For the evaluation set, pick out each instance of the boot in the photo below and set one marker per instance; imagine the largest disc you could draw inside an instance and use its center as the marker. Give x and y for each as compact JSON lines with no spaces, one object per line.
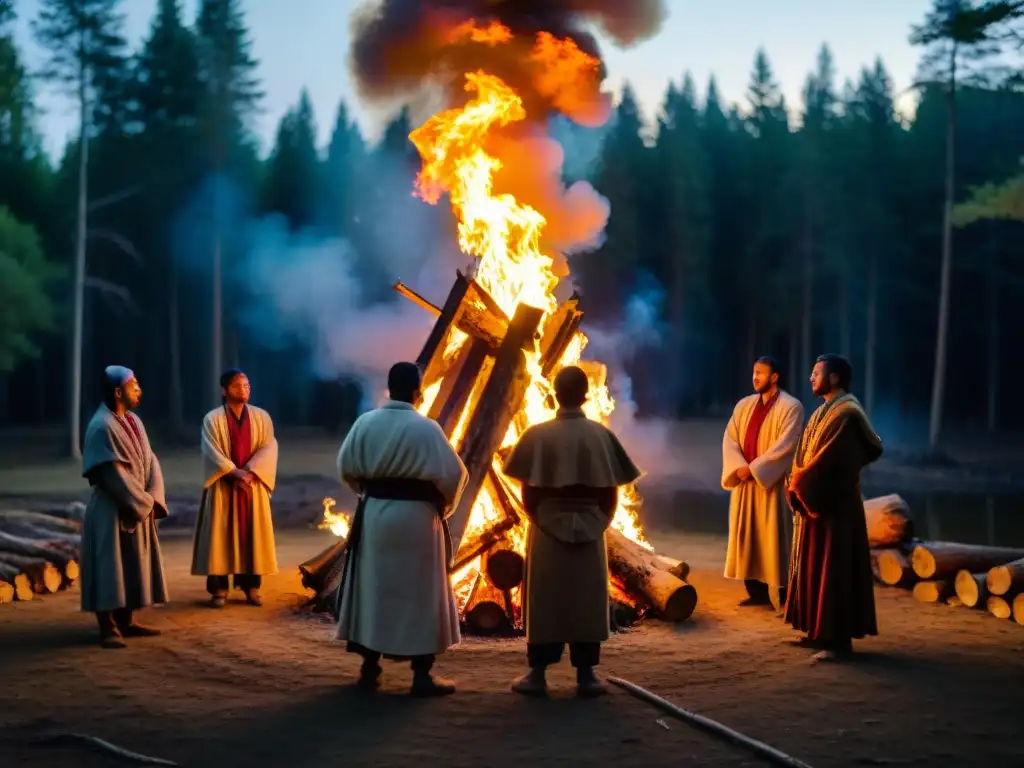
{"x":128,"y":627}
{"x":369,"y":675}
{"x":427,"y":685}
{"x":110,"y":635}
{"x":588,"y":685}
{"x":533,"y":683}
{"x":252,"y":596}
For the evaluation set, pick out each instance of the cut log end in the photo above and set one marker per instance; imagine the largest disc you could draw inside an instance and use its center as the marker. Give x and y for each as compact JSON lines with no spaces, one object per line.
{"x":970,"y":588}
{"x":1018,"y":609}
{"x":998,"y":607}
{"x":505,"y":569}
{"x":6,"y":592}
{"x":1006,"y":578}
{"x":941,"y":559}
{"x":487,"y":618}
{"x":23,"y":587}
{"x":682,"y":603}
{"x":71,"y":572}
{"x":46,"y":579}
{"x":934,"y":591}
{"x":893,"y":568}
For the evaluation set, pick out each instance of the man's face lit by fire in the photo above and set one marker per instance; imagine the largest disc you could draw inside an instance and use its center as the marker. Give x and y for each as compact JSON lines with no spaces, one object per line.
{"x":821,"y":381}
{"x":764,"y":379}
{"x":238,"y":390}
{"x":129,"y":394}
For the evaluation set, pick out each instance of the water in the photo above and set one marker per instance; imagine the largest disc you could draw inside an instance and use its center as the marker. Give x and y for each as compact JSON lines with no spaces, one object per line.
{"x":971,"y":518}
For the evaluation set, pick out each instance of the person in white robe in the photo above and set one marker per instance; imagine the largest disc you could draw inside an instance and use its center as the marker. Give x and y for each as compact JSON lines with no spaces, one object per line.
{"x":757,"y":452}
{"x":396,"y":598}
{"x":234,"y":533}
{"x":122,"y":569}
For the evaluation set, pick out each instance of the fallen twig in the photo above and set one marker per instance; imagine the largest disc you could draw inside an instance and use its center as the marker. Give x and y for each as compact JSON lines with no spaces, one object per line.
{"x":764,"y":750}
{"x":106,"y":746}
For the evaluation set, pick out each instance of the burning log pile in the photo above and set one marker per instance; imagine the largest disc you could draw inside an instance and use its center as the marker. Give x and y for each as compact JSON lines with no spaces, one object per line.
{"x":971,"y":575}
{"x":39,"y":551}
{"x":480,"y":369}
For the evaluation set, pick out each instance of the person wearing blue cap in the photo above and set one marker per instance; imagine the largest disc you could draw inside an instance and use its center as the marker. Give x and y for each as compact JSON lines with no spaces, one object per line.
{"x":122,"y":568}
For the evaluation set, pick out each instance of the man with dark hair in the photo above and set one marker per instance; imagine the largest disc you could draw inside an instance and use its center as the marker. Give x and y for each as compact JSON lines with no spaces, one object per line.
{"x":234,"y":534}
{"x":831,"y":594}
{"x":757,"y":452}
{"x":396,"y":596}
{"x":122,"y":568}
{"x":570,"y":469}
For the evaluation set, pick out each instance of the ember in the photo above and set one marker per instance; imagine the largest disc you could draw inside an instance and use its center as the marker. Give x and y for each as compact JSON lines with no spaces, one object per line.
{"x":499,"y":339}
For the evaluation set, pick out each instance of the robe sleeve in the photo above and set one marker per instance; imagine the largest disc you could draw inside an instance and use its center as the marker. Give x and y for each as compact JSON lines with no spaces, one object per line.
{"x":133,"y":502}
{"x":215,"y":459}
{"x":453,"y":475}
{"x":350,"y":469}
{"x":732,"y":450}
{"x":771,"y":466}
{"x":844,"y":451}
{"x":155,"y":488}
{"x":263,"y":463}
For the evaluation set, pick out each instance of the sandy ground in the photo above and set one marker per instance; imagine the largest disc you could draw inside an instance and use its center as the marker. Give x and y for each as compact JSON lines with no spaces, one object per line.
{"x":268,"y":687}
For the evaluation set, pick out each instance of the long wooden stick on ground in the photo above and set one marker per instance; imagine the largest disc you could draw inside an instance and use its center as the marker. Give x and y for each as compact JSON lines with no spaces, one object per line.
{"x":760,"y":748}
{"x":106,"y":746}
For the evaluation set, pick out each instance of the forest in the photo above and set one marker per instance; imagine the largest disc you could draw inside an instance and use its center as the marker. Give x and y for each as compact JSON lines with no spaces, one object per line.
{"x":163,"y":239}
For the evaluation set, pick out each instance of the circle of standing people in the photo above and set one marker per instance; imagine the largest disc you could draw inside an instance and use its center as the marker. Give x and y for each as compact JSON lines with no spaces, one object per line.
{"x":797,"y":533}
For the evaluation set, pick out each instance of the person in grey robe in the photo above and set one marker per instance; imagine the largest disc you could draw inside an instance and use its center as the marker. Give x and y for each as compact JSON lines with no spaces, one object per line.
{"x":122,"y":568}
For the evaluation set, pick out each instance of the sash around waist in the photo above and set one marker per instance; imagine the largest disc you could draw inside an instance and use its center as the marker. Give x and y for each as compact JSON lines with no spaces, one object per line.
{"x":403,"y":489}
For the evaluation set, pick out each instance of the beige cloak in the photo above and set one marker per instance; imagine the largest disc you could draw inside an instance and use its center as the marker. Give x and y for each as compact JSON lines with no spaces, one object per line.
{"x":121,"y":563}
{"x":217,"y":549}
{"x":760,"y":522}
{"x":400,"y":600}
{"x":566,"y":586}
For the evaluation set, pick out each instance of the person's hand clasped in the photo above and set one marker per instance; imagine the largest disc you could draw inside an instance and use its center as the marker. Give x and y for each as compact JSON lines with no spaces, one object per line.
{"x":743,"y":473}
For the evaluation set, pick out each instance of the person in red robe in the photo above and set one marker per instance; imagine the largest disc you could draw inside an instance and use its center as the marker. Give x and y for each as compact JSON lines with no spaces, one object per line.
{"x":831,"y":592}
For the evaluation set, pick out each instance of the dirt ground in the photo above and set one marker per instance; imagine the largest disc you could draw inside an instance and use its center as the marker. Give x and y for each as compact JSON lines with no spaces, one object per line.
{"x":268,"y":687}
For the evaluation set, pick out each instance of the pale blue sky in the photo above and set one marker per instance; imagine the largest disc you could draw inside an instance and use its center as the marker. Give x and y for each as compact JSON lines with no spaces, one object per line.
{"x":309,"y":47}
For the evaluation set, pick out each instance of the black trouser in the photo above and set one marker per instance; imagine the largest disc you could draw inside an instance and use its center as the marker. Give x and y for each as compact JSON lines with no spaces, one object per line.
{"x":761,"y":592}
{"x":116,"y":620}
{"x":421,"y":665}
{"x":581,"y":655}
{"x":218,"y":585}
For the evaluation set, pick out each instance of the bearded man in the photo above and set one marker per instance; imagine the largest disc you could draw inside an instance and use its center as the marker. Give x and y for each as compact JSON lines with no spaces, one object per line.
{"x":831,"y":592}
{"x":122,"y":569}
{"x":234,"y":534}
{"x":757,"y":452}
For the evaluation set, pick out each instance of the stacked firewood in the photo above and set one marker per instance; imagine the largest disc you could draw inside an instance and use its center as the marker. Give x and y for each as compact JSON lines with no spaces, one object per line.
{"x":39,"y":550}
{"x":971,"y":575}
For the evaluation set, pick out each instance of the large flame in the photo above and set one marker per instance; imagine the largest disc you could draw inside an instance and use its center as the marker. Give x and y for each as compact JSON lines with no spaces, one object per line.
{"x":504,"y":235}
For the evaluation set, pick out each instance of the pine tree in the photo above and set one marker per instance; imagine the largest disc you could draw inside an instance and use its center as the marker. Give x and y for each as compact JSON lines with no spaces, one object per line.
{"x":84,"y":45}
{"x":293,"y":174}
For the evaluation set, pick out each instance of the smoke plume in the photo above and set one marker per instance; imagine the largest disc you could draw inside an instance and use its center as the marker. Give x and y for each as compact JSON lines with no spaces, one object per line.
{"x":401,"y":46}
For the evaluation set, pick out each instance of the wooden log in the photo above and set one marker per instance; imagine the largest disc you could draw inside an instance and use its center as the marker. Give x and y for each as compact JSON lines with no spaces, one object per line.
{"x":56,"y":551}
{"x":480,"y":544}
{"x":6,"y":592}
{"x":21,"y":583}
{"x":637,"y":571}
{"x":939,"y":559}
{"x":25,"y":530}
{"x":487,"y":618}
{"x":971,"y":589}
{"x":999,"y":607}
{"x":505,"y":569}
{"x":892,"y":568}
{"x":1018,"y":609}
{"x":315,"y":570}
{"x":501,"y":398}
{"x":440,"y":331}
{"x":46,"y":577}
{"x":558,"y":333}
{"x":40,"y":520}
{"x":678,"y":568}
{"x":888,"y":520}
{"x":74,"y":511}
{"x":457,"y":386}
{"x":933,"y":591}
{"x":621,"y":615}
{"x":71,"y":572}
{"x":1006,"y":578}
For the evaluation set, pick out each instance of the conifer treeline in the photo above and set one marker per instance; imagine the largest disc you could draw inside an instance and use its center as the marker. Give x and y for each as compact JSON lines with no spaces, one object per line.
{"x":750,"y":229}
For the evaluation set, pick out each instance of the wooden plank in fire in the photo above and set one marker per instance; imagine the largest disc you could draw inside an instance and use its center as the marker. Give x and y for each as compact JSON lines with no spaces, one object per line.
{"x":457,"y":385}
{"x":501,"y":398}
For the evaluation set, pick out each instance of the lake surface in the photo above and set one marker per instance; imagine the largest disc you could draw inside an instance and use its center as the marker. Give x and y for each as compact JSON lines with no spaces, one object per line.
{"x":972,"y":518}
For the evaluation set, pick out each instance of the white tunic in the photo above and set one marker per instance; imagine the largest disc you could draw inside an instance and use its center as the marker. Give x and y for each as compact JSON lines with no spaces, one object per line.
{"x":400,"y":601}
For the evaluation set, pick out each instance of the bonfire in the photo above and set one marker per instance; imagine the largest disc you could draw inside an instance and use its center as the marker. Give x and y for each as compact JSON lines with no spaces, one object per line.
{"x":490,"y":360}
